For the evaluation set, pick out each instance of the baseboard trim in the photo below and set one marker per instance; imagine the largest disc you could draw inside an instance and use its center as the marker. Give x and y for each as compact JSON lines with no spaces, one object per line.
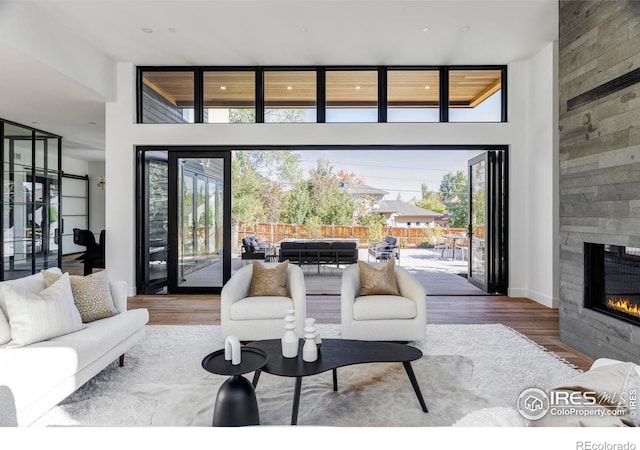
{"x":537,"y":297}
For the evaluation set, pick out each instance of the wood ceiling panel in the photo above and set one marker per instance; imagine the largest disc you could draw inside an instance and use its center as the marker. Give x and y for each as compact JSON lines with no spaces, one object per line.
{"x":469,"y":88}
{"x":293,"y":89}
{"x":344,"y":88}
{"x":354,"y":88}
{"x":413,"y":88}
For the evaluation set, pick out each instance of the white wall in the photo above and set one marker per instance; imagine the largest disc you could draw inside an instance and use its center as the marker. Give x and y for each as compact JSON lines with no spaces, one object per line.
{"x":74,"y":166}
{"x":534,"y":108}
{"x":96,"y":198}
{"x":122,"y":135}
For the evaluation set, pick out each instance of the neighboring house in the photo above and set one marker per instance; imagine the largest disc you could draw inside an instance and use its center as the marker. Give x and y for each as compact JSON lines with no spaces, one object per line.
{"x":402,"y":214}
{"x":367,"y":198}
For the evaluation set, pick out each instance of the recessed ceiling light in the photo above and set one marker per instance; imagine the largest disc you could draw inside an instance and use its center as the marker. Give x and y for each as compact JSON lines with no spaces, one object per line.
{"x":171,"y":30}
{"x":147,"y":30}
{"x":289,"y":88}
{"x":427,"y":87}
{"x":357,"y":88}
{"x":35,"y":123}
{"x":425,"y":29}
{"x":465,"y":29}
{"x":223,"y":88}
{"x":303,"y":29}
{"x":92,"y":123}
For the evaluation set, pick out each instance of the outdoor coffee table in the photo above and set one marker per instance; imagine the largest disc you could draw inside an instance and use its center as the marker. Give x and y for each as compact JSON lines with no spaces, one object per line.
{"x":333,"y":354}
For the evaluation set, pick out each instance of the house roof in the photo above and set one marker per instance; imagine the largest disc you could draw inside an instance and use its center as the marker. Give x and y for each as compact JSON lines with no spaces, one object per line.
{"x":363,"y":189}
{"x":404,"y":209}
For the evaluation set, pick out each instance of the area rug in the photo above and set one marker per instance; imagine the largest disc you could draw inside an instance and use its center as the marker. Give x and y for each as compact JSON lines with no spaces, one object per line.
{"x":465,"y":368}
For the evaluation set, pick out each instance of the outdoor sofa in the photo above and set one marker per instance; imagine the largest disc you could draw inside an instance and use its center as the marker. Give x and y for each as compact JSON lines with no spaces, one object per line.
{"x":319,"y":252}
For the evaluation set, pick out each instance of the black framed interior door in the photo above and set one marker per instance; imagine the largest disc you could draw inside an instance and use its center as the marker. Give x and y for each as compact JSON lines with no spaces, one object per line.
{"x":199,"y":221}
{"x":488,"y":222}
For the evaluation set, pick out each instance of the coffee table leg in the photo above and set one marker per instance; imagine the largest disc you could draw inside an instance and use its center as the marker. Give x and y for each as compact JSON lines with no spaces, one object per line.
{"x":335,"y":379}
{"x":414,"y":383}
{"x":256,"y":377}
{"x":296,"y":401}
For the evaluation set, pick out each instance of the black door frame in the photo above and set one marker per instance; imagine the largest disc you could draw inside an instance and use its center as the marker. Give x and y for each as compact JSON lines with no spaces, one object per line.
{"x":173,"y":153}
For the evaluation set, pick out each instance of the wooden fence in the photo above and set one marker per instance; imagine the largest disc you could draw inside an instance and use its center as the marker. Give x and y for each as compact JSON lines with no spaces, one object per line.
{"x":409,"y":237}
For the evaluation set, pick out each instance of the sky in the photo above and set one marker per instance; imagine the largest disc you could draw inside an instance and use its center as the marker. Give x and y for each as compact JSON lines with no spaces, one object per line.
{"x":399,"y":172}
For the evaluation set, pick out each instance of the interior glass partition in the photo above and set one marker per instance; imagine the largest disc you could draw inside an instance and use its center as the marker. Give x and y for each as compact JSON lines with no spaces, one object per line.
{"x":30,"y":200}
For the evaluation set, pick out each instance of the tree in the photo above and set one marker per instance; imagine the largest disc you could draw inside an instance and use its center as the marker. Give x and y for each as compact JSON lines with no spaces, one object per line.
{"x":320,"y":199}
{"x":454,"y":191}
{"x":430,"y":200}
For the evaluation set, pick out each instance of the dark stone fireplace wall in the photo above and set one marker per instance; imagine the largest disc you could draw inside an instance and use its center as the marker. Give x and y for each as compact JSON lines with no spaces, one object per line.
{"x":599,"y":162}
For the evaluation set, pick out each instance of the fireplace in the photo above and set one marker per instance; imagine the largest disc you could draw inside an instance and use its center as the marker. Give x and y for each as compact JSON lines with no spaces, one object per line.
{"x":612,"y":281}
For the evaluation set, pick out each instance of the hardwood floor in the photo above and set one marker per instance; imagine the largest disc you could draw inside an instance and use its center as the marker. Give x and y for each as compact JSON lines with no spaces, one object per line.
{"x":537,"y":322}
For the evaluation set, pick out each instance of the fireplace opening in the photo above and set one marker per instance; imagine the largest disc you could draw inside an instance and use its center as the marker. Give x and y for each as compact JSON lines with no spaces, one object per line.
{"x":612,"y":280}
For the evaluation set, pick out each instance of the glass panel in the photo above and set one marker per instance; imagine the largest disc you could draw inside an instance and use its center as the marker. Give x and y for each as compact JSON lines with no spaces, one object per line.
{"x":52,"y":153}
{"x":212,"y":198}
{"x":167,"y":97}
{"x":413,"y":96}
{"x":290,"y":96}
{"x":352,"y":96}
{"x":475,"y":96}
{"x":200,"y":262}
{"x":201,"y":215}
{"x":229,"y":97}
{"x":158,"y":221}
{"x":478,"y":221}
{"x":40,"y":153}
{"x":187,"y":223}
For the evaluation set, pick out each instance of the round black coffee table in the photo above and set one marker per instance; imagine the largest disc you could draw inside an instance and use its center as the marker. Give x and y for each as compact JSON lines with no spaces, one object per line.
{"x":236,"y":403}
{"x":335,"y":353}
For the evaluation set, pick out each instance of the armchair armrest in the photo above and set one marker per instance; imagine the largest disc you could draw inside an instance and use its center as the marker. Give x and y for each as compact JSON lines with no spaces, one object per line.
{"x":411,"y":288}
{"x":235,"y":289}
{"x":298,"y":293}
{"x":350,"y":289}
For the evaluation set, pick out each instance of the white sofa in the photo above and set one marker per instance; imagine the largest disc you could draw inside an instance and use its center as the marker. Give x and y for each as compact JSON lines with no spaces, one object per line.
{"x":36,"y":377}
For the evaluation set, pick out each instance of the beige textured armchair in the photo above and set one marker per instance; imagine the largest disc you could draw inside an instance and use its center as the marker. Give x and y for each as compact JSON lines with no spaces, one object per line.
{"x":383,"y":317}
{"x":255,"y":318}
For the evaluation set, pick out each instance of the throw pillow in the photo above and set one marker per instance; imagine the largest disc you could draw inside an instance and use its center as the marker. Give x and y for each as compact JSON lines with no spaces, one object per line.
{"x":378,"y":281}
{"x":5,"y":330}
{"x":91,"y":294}
{"x":269,"y":281}
{"x":38,"y":317}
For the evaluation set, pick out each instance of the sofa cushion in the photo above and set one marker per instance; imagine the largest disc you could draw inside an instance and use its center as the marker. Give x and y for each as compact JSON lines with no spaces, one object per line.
{"x":258,"y":308}
{"x":31,"y":283}
{"x":381,"y":307}
{"x":37,"y":317}
{"x":91,"y":294}
{"x":379,"y":279}
{"x":268,"y":281}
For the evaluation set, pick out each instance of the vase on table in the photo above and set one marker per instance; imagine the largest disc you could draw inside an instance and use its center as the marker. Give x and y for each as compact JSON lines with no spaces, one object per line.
{"x":309,"y":349}
{"x":290,"y":340}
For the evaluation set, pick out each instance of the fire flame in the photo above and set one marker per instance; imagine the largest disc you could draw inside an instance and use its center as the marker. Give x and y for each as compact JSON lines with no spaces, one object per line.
{"x":624,"y":305}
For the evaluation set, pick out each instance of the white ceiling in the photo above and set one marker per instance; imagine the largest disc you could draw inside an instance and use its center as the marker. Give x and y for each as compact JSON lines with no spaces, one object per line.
{"x":263,"y":32}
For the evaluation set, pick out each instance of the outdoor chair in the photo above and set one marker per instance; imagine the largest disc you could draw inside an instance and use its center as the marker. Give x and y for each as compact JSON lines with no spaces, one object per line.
{"x":386,"y":250}
{"x":252,"y":250}
{"x":255,"y":318}
{"x":383,"y":317}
